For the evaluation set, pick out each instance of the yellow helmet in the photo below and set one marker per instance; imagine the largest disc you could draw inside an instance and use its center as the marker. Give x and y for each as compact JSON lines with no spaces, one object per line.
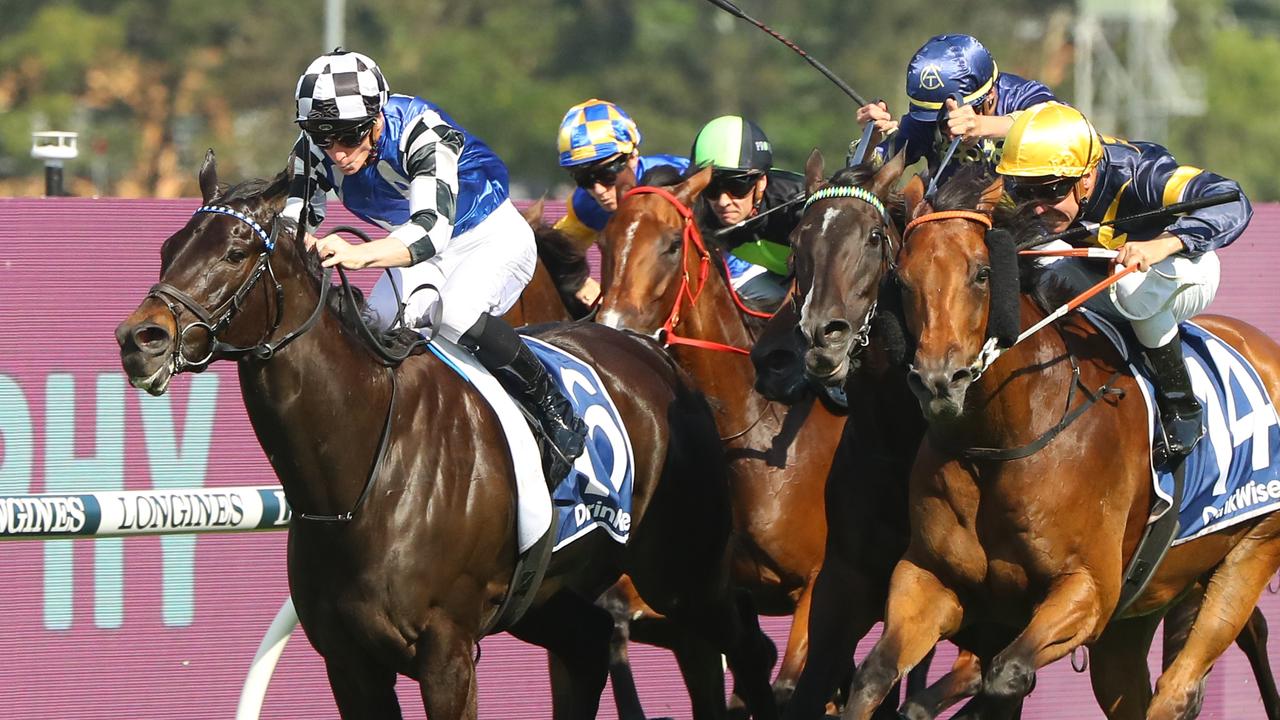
{"x":1050,"y":139}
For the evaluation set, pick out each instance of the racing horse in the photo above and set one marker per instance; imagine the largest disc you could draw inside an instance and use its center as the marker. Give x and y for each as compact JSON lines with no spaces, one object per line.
{"x":839,"y":254}
{"x":549,"y":296}
{"x":402,"y":568}
{"x":1035,"y":543}
{"x":660,"y":278}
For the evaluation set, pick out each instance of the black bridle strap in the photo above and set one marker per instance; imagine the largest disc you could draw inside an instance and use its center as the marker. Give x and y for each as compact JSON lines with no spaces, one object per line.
{"x":1069,"y":416}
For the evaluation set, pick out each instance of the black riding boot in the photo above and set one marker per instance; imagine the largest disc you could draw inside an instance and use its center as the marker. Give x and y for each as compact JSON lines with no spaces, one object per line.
{"x":497,"y":346}
{"x":1180,"y":412}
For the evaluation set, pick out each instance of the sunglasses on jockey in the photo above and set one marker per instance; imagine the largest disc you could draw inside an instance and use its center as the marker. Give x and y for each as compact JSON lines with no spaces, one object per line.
{"x":1044,"y":190}
{"x":603,"y":173}
{"x":324,"y":138}
{"x":736,"y":185}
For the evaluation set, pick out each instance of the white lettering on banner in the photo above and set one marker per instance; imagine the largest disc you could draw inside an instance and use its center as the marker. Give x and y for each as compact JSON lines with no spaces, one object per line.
{"x":1256,"y":424}
{"x":1215,"y":421}
{"x":174,"y":459}
{"x":1244,"y":497}
{"x":38,"y":515}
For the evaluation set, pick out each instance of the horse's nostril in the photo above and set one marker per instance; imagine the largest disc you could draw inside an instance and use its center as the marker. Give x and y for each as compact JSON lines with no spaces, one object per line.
{"x":835,"y":329}
{"x":960,"y":375}
{"x":151,"y":337}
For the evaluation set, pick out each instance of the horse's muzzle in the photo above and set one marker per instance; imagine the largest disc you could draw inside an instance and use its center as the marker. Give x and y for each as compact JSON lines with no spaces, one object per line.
{"x":940,"y":390}
{"x":146,"y":354}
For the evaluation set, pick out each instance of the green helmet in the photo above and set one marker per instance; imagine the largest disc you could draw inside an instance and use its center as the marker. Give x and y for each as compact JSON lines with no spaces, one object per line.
{"x":732,"y":143}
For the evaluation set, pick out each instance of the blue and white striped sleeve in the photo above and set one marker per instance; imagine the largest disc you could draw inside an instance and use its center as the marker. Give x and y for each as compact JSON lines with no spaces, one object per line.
{"x":298,"y":184}
{"x":431,"y":148}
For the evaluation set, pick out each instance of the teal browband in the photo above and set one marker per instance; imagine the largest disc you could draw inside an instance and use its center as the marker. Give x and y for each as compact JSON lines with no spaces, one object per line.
{"x":848,"y":191}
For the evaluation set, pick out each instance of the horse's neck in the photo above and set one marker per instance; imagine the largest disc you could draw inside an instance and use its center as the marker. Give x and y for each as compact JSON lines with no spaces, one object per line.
{"x":727,"y":377}
{"x":316,"y":404}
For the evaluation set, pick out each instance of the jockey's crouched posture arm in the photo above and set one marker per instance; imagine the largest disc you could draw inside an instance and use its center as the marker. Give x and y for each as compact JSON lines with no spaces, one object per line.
{"x":1057,"y":163}
{"x":461,"y":252}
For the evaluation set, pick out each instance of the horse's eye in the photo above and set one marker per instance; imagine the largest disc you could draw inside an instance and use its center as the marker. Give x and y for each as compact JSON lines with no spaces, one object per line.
{"x":876,"y":237}
{"x":677,"y":242}
{"x":983,"y":275}
{"x":236,"y":255}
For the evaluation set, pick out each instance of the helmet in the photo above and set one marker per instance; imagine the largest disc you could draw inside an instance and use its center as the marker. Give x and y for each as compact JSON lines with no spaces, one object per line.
{"x":948,"y":64}
{"x":732,"y":143}
{"x":1050,"y":139}
{"x":595,"y":130}
{"x":340,"y":90}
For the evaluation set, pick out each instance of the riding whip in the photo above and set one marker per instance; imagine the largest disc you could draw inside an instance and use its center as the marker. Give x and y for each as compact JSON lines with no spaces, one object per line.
{"x":729,"y":7}
{"x":1089,"y":228}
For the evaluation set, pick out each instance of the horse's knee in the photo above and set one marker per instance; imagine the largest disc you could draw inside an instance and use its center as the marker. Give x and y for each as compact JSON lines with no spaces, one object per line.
{"x":1009,"y":678}
{"x":1177,"y":703}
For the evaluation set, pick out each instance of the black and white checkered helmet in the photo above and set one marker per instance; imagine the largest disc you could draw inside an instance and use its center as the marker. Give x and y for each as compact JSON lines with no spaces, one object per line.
{"x":340,"y":89}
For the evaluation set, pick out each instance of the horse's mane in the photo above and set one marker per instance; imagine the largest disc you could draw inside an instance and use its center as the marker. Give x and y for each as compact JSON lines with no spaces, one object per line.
{"x":566,"y":263}
{"x":262,"y":196}
{"x":860,"y":176}
{"x":963,"y":189}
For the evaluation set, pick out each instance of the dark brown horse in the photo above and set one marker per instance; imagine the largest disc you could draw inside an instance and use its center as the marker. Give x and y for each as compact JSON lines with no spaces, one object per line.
{"x":409,"y":583}
{"x":1035,"y":547}
{"x":549,"y":296}
{"x":654,"y":268}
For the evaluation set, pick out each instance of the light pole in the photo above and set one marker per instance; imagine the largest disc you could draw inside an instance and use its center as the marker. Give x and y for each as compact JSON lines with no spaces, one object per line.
{"x":53,"y":148}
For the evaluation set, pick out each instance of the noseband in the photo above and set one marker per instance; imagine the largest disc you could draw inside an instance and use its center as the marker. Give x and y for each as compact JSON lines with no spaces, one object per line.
{"x":216,"y":320}
{"x":887,"y":252}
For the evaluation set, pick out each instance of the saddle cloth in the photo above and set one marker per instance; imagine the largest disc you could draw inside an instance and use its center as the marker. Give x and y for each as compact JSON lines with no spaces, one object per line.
{"x":1233,"y":474}
{"x":597,"y":491}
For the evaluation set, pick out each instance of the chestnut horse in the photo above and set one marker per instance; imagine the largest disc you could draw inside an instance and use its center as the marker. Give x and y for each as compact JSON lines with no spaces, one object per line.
{"x":1035,"y":547}
{"x":656,"y":268}
{"x":839,"y":263}
{"x":408,"y":565}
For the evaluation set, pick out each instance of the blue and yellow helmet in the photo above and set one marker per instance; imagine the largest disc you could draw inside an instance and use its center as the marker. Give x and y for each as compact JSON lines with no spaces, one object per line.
{"x":595,"y":130}
{"x":948,"y":64}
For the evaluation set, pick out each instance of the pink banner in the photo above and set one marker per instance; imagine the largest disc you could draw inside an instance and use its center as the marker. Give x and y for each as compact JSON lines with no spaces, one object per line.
{"x":165,"y":627}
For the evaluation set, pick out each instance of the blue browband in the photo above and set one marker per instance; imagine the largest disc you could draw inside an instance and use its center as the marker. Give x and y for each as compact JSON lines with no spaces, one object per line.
{"x":257,"y":229}
{"x":848,"y":191}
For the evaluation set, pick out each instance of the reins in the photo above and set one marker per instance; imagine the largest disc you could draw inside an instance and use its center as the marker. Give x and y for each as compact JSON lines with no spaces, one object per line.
{"x":692,"y":242}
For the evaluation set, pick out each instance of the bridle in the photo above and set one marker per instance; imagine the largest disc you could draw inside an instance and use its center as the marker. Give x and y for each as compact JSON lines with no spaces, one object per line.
{"x":888,"y":251}
{"x":216,"y":320}
{"x":693,"y":242}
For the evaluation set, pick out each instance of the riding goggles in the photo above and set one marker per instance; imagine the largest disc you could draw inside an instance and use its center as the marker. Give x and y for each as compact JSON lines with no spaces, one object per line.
{"x":603,"y":173}
{"x":1047,"y":191}
{"x":349,"y":137}
{"x":738,"y":185}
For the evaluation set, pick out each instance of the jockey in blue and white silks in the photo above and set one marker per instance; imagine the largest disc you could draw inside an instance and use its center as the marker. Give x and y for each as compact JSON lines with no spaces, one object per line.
{"x":458,"y":251}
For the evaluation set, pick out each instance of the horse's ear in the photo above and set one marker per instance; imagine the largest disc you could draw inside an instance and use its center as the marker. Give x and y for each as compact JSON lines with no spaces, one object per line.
{"x":533,"y":213}
{"x":626,"y":180}
{"x":813,"y":177}
{"x":887,"y":176}
{"x":991,"y":196}
{"x":208,"y":177}
{"x":689,"y":190}
{"x":913,"y":195}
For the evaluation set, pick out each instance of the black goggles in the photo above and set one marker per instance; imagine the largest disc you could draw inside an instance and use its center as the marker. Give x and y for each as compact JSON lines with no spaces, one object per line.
{"x":737,"y":185}
{"x":350,"y":137}
{"x":604,"y":173}
{"x":1048,"y":192}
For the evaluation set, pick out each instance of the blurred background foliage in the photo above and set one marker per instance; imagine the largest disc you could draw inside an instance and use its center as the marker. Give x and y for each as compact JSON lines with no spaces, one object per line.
{"x":149,"y":84}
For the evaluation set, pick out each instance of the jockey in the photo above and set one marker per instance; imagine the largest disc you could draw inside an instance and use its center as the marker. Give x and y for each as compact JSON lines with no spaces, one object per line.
{"x":1055,"y":161}
{"x":597,"y":142}
{"x":745,"y":185}
{"x":457,"y":247}
{"x":947,"y":65}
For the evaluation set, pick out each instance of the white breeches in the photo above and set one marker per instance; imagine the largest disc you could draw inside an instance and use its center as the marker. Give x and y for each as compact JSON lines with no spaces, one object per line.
{"x":1155,"y":301}
{"x":482,"y":270}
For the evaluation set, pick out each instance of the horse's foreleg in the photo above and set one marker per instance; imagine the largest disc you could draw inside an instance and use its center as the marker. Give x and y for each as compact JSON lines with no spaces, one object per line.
{"x":920,"y":611}
{"x":842,"y":610}
{"x":963,"y":681}
{"x":1229,"y":600}
{"x":794,"y":658}
{"x":446,"y":672}
{"x":363,"y":689}
{"x":1118,"y":667}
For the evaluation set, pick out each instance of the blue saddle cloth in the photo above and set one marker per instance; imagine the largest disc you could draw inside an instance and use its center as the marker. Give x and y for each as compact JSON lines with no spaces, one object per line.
{"x":1233,"y":474}
{"x":597,"y":491}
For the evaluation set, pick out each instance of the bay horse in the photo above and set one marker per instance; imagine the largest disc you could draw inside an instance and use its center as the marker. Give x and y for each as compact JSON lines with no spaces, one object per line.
{"x":561,"y":269}
{"x":1036,"y":545}
{"x":416,"y":573}
{"x":842,"y":279}
{"x":655,"y":268}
